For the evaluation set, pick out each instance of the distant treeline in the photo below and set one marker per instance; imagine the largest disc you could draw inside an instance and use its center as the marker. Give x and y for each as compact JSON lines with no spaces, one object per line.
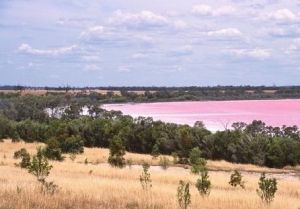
{"x":25,"y":118}
{"x":161,"y":94}
{"x":153,"y":88}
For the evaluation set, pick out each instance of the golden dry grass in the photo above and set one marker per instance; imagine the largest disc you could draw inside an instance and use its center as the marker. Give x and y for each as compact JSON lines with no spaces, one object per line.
{"x":100,"y":186}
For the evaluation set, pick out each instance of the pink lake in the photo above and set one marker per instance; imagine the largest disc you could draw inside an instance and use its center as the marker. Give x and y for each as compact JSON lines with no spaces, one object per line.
{"x":217,"y":115}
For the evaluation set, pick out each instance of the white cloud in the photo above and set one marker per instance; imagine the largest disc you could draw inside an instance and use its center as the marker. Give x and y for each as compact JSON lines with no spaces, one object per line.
{"x":31,"y":65}
{"x":175,"y":69}
{"x":93,"y":31}
{"x":282,"y":15}
{"x":115,"y":37}
{"x":207,"y":10}
{"x":139,"y":56}
{"x":182,"y":51}
{"x":92,"y":68}
{"x":180,"y":25}
{"x":225,"y":32}
{"x":143,"y":19}
{"x":286,"y":32}
{"x":124,"y":69}
{"x":294,"y":47}
{"x":91,"y":58}
{"x":257,"y":53}
{"x":27,"y":49}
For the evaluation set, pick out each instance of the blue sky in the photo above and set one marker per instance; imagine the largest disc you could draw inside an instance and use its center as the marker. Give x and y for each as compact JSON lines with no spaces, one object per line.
{"x":145,"y":43}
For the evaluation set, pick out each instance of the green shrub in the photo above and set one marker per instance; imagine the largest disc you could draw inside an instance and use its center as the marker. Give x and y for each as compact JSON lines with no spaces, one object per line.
{"x":7,"y":129}
{"x":40,"y":168}
{"x":236,"y":179}
{"x":53,"y":150}
{"x":183,"y":194}
{"x":24,"y":156}
{"x":164,"y":162}
{"x":267,"y":188}
{"x":145,"y":177}
{"x":116,"y":152}
{"x":203,"y":183}
{"x":196,"y":161}
{"x":72,"y":144}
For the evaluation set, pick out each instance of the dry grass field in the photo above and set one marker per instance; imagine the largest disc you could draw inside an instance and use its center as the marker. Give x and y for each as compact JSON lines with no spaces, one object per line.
{"x":97,"y":185}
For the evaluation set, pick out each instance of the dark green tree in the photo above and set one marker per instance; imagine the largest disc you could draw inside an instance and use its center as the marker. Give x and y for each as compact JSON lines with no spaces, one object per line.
{"x":196,"y":161}
{"x":116,"y":152}
{"x":203,"y":184}
{"x":24,"y":156}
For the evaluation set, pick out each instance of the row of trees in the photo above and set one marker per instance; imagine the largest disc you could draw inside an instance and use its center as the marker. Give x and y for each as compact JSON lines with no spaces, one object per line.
{"x":252,"y":144}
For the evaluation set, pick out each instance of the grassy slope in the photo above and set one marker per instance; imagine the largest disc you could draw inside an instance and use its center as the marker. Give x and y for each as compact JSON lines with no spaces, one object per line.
{"x":112,"y":188}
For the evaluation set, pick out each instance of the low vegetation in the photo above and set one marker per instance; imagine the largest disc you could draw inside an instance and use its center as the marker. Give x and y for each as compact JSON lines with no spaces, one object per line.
{"x":183,"y":194}
{"x":110,"y":187}
{"x":236,"y":179}
{"x":267,"y":188}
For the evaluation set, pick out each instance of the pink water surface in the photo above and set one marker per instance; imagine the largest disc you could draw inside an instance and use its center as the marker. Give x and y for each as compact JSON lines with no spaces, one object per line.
{"x":217,"y":115}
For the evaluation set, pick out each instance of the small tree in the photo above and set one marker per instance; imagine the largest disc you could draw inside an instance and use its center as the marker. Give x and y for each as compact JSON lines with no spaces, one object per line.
{"x":145,"y":177}
{"x":183,"y":194}
{"x":40,"y":168}
{"x":116,"y":153}
{"x":39,"y":165}
{"x":203,"y":183}
{"x":25,"y":158}
{"x":267,"y":188}
{"x":236,"y":179}
{"x":196,"y":161}
{"x":164,"y":162}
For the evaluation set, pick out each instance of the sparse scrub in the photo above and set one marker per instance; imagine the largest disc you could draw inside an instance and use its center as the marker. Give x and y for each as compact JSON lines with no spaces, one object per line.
{"x":111,"y":188}
{"x":267,"y":188}
{"x":40,"y":168}
{"x":24,"y":156}
{"x":236,"y":179}
{"x":164,"y":162}
{"x":203,"y":184}
{"x":145,"y":177}
{"x":183,"y":194}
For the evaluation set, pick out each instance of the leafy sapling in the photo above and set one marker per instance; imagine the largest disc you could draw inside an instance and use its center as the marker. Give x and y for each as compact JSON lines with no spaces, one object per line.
{"x":203,"y":184}
{"x":236,"y":179}
{"x":183,"y":194}
{"x":267,"y":188}
{"x":145,"y":177}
